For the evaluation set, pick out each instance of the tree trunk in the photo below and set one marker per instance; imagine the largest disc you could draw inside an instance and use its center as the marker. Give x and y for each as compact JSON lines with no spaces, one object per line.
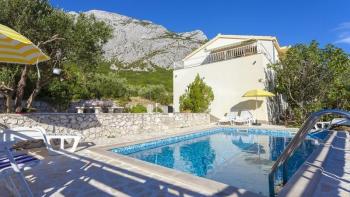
{"x":9,"y":102}
{"x":39,"y":84}
{"x":8,"y":94}
{"x":33,"y":95}
{"x":20,"y":89}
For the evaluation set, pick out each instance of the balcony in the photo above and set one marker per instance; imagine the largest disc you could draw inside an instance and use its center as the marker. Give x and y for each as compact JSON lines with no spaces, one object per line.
{"x":225,"y":53}
{"x":217,"y":56}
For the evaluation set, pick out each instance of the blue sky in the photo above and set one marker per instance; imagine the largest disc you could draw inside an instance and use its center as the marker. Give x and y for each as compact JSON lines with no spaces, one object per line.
{"x":295,"y":21}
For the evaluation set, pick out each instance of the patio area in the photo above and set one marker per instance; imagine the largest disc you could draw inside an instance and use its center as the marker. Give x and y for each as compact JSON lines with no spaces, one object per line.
{"x":89,"y":173}
{"x":93,"y":171}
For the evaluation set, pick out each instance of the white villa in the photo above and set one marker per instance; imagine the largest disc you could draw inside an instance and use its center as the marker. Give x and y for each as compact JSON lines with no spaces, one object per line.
{"x":231,"y":65}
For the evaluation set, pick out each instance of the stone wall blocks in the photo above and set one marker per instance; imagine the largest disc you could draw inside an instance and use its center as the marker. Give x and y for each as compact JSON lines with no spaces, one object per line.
{"x":93,"y":126}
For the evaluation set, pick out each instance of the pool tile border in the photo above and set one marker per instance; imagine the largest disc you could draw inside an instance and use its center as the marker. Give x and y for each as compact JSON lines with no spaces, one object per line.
{"x":129,"y":149}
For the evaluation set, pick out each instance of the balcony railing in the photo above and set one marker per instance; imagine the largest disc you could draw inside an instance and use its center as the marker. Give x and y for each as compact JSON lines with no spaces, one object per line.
{"x":226,"y":54}
{"x":232,"y":53}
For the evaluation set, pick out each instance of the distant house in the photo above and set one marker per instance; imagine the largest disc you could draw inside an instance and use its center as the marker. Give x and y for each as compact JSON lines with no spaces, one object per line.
{"x":231,"y":65}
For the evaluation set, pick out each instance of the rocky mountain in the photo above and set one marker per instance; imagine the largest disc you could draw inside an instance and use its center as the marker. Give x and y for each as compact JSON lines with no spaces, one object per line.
{"x":143,"y":42}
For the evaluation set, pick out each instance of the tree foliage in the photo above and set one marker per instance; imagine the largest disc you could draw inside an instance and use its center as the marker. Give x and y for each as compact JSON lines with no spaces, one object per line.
{"x":155,"y":93}
{"x":197,"y":97}
{"x":66,"y":38}
{"x":138,"y":109}
{"x":313,"y":78}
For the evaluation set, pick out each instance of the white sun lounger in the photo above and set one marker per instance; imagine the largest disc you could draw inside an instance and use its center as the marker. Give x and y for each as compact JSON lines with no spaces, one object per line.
{"x":9,"y":137}
{"x":340,"y":121}
{"x":322,"y":125}
{"x":14,"y":168}
{"x":229,"y":118}
{"x":16,"y":134}
{"x":6,"y":171}
{"x":244,"y":118}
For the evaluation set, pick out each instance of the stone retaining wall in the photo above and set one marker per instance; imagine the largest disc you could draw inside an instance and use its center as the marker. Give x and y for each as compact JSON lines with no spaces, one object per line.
{"x":92,"y":126}
{"x":40,"y":106}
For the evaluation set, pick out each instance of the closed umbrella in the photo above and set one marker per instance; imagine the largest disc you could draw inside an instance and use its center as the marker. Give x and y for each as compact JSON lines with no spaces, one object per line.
{"x":17,"y":49}
{"x":258,"y":93}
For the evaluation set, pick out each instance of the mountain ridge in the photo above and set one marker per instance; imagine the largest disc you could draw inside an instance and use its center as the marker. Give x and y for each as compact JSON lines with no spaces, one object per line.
{"x":143,"y":42}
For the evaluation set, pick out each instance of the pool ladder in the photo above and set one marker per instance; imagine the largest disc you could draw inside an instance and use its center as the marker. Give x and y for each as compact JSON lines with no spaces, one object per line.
{"x":295,"y":143}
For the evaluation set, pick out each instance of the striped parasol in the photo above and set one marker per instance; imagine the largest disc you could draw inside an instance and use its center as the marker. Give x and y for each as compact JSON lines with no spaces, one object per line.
{"x":15,"y":48}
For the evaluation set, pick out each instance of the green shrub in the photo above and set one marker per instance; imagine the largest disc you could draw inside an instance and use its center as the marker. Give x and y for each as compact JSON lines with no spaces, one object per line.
{"x":158,"y":109}
{"x":155,"y":93}
{"x":197,"y":97}
{"x":138,"y":109}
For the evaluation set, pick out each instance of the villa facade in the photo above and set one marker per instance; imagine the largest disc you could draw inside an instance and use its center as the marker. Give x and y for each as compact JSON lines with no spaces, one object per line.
{"x":231,"y":65}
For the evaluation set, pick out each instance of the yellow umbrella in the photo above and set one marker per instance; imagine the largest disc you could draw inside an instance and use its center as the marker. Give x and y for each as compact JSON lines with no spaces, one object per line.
{"x":15,"y":48}
{"x":258,"y":93}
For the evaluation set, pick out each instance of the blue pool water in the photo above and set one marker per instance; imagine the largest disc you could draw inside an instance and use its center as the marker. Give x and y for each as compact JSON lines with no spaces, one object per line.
{"x":227,"y":155}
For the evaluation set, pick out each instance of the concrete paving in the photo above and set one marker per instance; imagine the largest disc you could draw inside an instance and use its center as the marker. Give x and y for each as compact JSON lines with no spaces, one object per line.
{"x":326,"y":173}
{"x":89,"y":173}
{"x":93,"y":171}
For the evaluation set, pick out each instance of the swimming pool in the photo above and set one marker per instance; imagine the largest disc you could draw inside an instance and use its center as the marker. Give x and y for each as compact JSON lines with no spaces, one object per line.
{"x":239,"y":158}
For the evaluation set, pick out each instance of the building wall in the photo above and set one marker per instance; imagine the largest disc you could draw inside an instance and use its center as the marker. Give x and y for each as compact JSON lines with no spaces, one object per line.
{"x":270,"y":49}
{"x":94,"y":126}
{"x":229,"y":80}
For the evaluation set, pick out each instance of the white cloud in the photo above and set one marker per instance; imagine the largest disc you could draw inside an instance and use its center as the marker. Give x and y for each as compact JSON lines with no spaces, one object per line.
{"x":345,"y":40}
{"x":343,"y":26}
{"x":343,"y":33}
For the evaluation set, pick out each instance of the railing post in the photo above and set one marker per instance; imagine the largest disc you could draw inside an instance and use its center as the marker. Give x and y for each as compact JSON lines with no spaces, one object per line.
{"x":272,"y":185}
{"x":285,"y":172}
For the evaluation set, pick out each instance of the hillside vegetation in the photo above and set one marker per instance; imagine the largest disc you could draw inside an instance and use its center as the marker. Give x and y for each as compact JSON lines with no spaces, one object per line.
{"x":144,"y":78}
{"x":75,"y":44}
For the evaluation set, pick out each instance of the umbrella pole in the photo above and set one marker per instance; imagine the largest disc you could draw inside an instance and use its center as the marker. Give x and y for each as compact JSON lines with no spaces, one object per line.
{"x":37,"y":68}
{"x":256,"y":109}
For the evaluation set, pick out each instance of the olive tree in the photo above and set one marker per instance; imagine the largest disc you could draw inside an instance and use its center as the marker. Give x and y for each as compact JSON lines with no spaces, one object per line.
{"x":312,"y":78}
{"x":64,"y":37}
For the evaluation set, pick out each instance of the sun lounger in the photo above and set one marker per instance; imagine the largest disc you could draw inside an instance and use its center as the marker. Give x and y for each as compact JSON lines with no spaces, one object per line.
{"x":14,"y":135}
{"x":9,"y":165}
{"x":229,"y":118}
{"x":15,"y":163}
{"x":63,"y":137}
{"x":322,"y":125}
{"x":23,"y":161}
{"x":340,"y":122}
{"x":245,"y":117}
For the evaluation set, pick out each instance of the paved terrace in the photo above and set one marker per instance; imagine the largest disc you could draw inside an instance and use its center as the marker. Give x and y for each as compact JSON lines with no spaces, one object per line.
{"x":87,"y":173}
{"x":326,"y":173}
{"x":90,"y":173}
